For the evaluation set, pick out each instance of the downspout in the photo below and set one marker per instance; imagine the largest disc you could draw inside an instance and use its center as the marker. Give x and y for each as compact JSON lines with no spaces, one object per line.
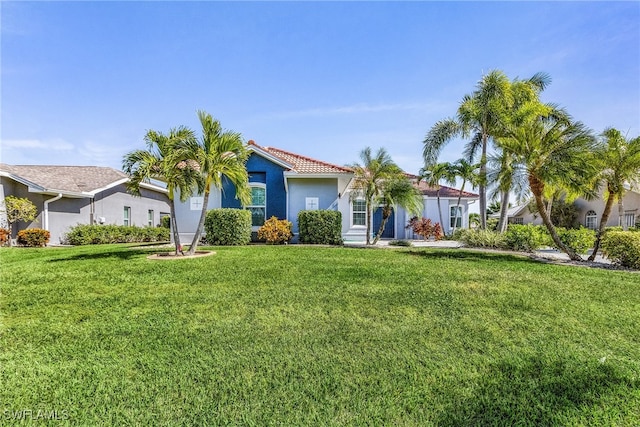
{"x":46,"y":210}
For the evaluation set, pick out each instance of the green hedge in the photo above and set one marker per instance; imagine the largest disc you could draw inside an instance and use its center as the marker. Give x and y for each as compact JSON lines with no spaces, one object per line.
{"x":228,"y":227}
{"x":525,"y":238}
{"x":83,"y":234}
{"x":622,"y":247}
{"x":580,"y":240}
{"x":320,"y":227}
{"x":481,"y":238}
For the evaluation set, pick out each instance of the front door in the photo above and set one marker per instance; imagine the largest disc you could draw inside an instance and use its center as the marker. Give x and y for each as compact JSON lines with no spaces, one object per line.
{"x":389,"y":229}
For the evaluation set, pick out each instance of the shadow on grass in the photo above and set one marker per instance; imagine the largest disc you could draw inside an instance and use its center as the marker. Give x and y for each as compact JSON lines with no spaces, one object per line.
{"x":537,"y":392}
{"x":116,"y":253}
{"x":474,"y":256}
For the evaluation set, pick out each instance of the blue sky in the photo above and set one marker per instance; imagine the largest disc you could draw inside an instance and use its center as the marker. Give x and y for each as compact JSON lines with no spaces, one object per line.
{"x":82,"y":82}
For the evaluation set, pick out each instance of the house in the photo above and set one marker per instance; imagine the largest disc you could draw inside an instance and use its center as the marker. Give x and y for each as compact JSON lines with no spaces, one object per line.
{"x":284,"y":183}
{"x":589,"y":212}
{"x":69,"y":195}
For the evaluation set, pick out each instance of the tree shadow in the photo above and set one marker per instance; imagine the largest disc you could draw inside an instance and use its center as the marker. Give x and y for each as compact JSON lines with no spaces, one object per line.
{"x":473,"y":256}
{"x":116,"y":253}
{"x":536,"y":392}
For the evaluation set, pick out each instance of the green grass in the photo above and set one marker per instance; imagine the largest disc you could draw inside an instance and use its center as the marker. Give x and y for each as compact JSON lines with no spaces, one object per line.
{"x":300,"y":335}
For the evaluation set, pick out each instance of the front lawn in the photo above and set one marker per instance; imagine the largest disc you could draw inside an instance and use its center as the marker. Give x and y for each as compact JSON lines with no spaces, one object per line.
{"x":300,"y":335}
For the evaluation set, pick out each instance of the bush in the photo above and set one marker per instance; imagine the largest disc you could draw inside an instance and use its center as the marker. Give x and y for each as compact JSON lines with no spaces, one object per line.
{"x":4,"y":236}
{"x":622,"y":248}
{"x":580,"y":240}
{"x":34,"y":237}
{"x":275,"y":231}
{"x":165,"y":221}
{"x":525,"y":238}
{"x":228,"y":227}
{"x":425,"y":228}
{"x":83,"y":234}
{"x":400,"y":243}
{"x":322,"y":227}
{"x":482,"y":239}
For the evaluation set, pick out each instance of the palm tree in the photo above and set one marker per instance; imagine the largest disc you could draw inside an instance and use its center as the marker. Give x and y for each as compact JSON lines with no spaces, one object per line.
{"x":621,"y":166}
{"x":370,"y":177}
{"x":166,"y":159}
{"x":220,"y":154}
{"x":556,"y":152}
{"x":398,"y":190}
{"x":481,"y":116}
{"x":436,"y":173}
{"x":468,"y":173}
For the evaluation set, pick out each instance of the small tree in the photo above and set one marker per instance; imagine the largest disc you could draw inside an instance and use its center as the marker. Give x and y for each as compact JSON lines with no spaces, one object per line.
{"x":18,"y":209}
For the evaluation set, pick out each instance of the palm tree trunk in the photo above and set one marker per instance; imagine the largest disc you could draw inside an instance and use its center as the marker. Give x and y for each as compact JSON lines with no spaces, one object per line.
{"x":537,"y":188}
{"x":622,"y":222}
{"x":203,"y":215}
{"x":386,"y":214}
{"x":174,"y":227}
{"x":482,"y":186}
{"x":455,"y":220}
{"x":439,"y":208}
{"x":368,"y":241}
{"x":504,"y":207}
{"x":603,"y":223}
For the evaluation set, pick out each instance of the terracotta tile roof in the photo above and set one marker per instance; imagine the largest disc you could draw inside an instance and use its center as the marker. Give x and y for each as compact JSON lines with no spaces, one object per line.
{"x":71,"y":179}
{"x":445,"y":191}
{"x":303,"y":164}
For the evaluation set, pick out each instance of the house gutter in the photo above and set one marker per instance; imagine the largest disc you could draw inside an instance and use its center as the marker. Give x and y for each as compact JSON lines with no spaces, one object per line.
{"x":46,"y":210}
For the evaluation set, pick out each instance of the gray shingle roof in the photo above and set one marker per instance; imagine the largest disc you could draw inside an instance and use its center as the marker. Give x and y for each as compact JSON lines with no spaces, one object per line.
{"x":71,"y":179}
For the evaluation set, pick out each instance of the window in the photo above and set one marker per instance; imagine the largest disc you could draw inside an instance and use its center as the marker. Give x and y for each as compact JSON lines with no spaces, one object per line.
{"x":195,"y":203}
{"x":630,"y":219}
{"x":150,"y":218}
{"x":591,"y":220}
{"x":312,"y":203}
{"x":359,"y":212}
{"x":258,"y":206}
{"x":457,"y":219}
{"x":517,"y":220}
{"x":127,"y":216}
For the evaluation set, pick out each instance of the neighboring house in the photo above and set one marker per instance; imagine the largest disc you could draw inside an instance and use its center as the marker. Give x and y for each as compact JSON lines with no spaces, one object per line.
{"x":283,"y":184}
{"x":589,"y":212}
{"x":69,"y":195}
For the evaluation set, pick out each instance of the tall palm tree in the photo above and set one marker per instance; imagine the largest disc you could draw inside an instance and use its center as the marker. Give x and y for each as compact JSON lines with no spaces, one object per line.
{"x":220,"y":154}
{"x":621,"y":166}
{"x":370,"y":177}
{"x":481,"y":116}
{"x":433,"y":175}
{"x":468,"y":173}
{"x":166,"y":159}
{"x":555,"y":151}
{"x":398,"y":190}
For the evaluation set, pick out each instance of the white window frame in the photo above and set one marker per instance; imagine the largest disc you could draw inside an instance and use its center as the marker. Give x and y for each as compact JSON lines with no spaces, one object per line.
{"x":264,"y":187}
{"x":591,"y":220}
{"x":126,"y":216}
{"x":363,"y":212}
{"x":452,"y":216}
{"x":151,"y":216}
{"x":630,"y":219}
{"x":311,"y":203}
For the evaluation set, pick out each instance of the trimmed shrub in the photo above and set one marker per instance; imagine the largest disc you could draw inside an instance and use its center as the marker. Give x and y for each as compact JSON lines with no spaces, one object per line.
{"x":580,"y":240}
{"x":228,"y":227}
{"x":525,"y":238}
{"x":322,"y":227}
{"x":165,"y":221}
{"x":276,"y":231}
{"x":622,"y":248}
{"x":400,"y":243}
{"x":4,"y":236}
{"x":482,"y":239}
{"x":34,"y":237}
{"x":83,"y":234}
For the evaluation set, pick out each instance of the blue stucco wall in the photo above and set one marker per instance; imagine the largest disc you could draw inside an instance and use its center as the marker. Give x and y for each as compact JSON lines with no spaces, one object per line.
{"x":265,"y":172}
